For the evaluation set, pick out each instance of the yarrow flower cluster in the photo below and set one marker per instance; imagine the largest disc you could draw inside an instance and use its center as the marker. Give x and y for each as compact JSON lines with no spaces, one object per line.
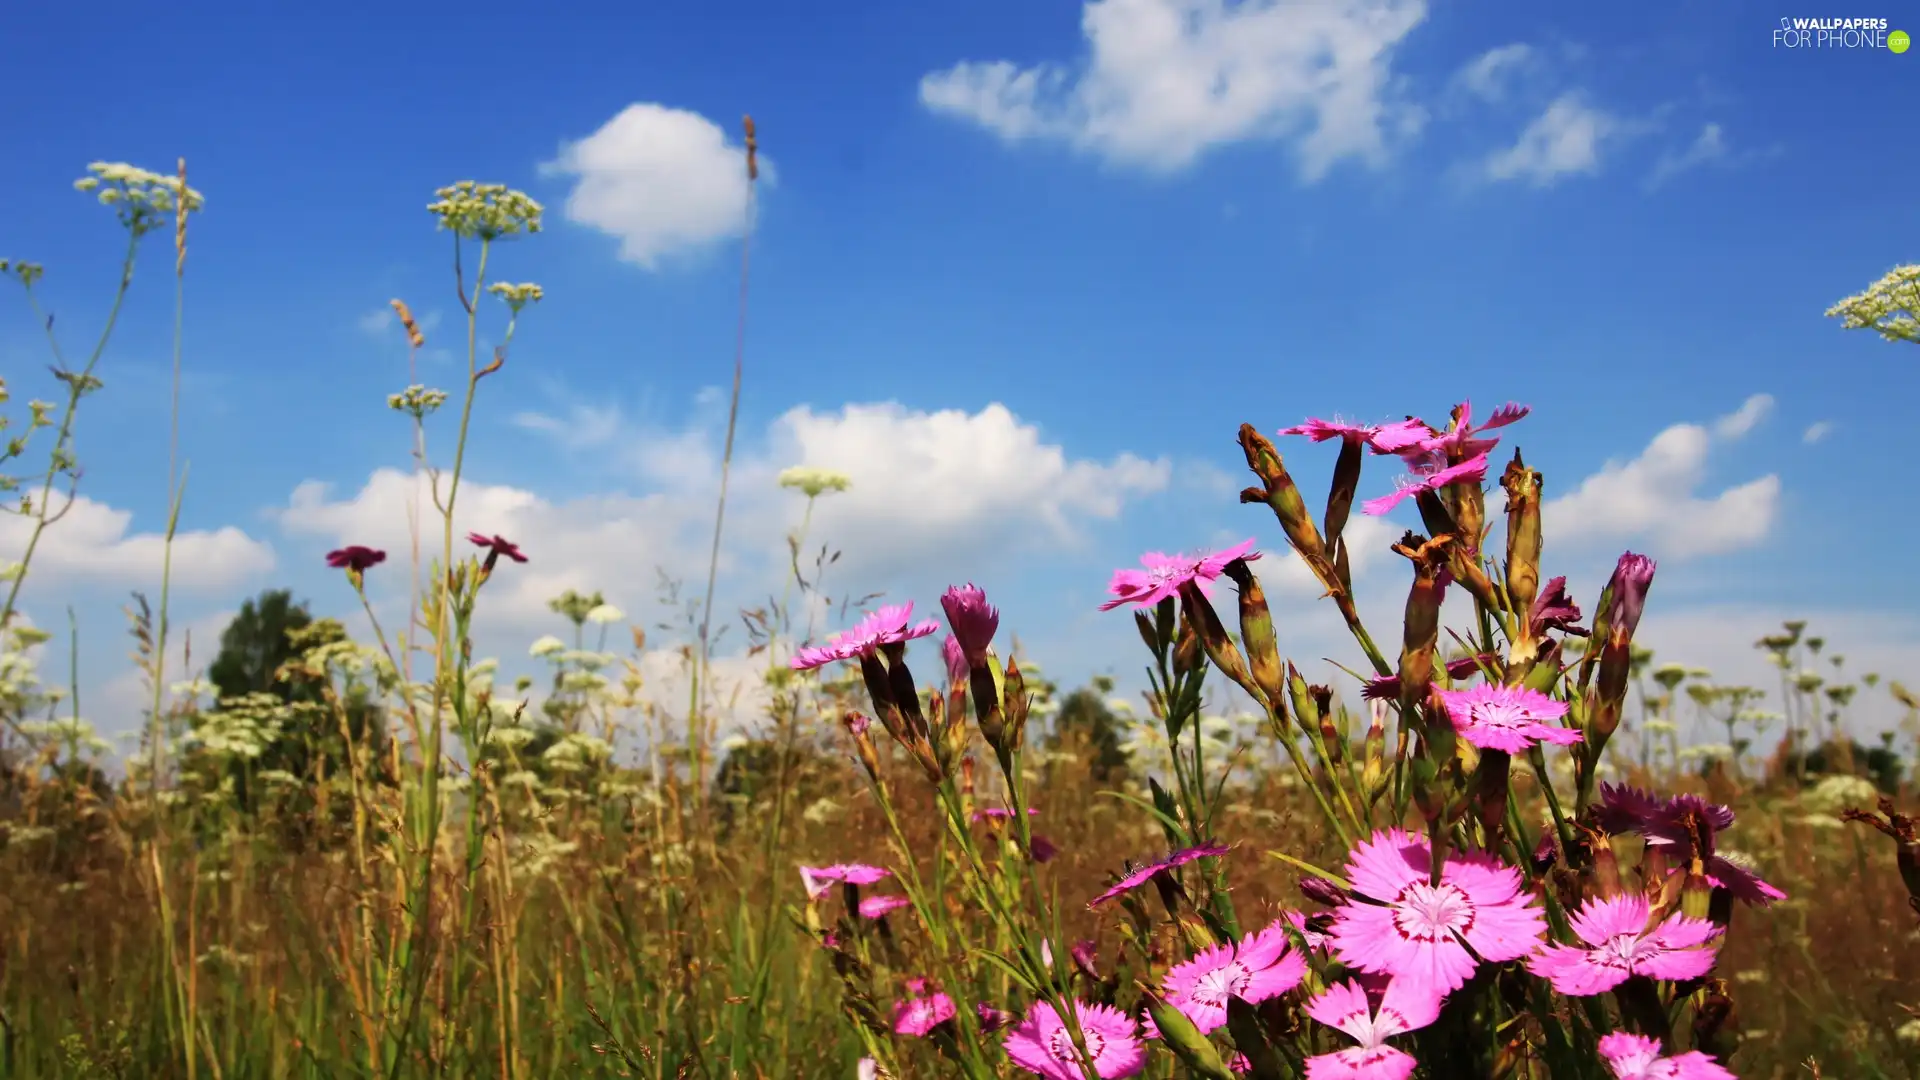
{"x":144,"y":200}
{"x":477,"y":211}
{"x":417,"y":401}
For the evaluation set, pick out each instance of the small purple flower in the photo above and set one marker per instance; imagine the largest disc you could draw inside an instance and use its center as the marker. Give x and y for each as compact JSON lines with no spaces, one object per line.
{"x":356,"y":559}
{"x":1508,"y":718}
{"x":1632,"y":576}
{"x":1472,"y":471}
{"x":918,"y":1016}
{"x":818,"y":879}
{"x":887,"y":626}
{"x":1553,"y":609}
{"x":972,"y":619}
{"x":1675,"y":824}
{"x":876,"y":907}
{"x":1257,"y":967}
{"x":956,"y":658}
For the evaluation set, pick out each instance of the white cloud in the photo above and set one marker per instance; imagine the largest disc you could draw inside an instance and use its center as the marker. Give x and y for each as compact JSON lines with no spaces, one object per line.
{"x":1736,"y":424}
{"x":1708,"y":148}
{"x":1816,"y":431}
{"x":1655,"y":497}
{"x":1368,"y":540}
{"x":1487,"y":76}
{"x":1563,"y":141}
{"x":91,"y":543}
{"x":1167,"y":80}
{"x":664,"y":181}
{"x":945,"y":489}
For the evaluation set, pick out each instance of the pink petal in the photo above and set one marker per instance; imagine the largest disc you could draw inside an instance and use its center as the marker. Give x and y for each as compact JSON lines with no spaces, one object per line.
{"x":1344,"y":1006}
{"x":1506,"y":931}
{"x":1574,"y":972}
{"x":1600,"y":921}
{"x":1677,"y":965}
{"x":1362,"y":1063}
{"x":1387,"y":862}
{"x":1682,"y":932}
{"x":1406,"y":1006}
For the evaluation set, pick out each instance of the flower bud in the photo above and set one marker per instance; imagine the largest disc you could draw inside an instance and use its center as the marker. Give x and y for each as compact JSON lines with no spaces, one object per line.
{"x":1321,"y":891}
{"x":1199,"y":614}
{"x":1187,"y":649}
{"x":1256,"y":631}
{"x":1193,"y":1049}
{"x":1523,"y":533}
{"x":1017,"y":705}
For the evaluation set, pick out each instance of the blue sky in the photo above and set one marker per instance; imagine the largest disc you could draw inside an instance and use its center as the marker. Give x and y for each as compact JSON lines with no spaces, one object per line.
{"x":1025,"y":306}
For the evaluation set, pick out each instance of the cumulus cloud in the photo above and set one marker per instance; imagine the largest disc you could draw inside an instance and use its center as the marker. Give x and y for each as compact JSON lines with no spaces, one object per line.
{"x":1656,"y":496}
{"x":661,"y":180}
{"x":946,"y":488}
{"x":1736,"y":424}
{"x":1816,"y":431}
{"x":1565,"y":140}
{"x":92,"y":542}
{"x":1489,"y":75}
{"x":1164,"y":81}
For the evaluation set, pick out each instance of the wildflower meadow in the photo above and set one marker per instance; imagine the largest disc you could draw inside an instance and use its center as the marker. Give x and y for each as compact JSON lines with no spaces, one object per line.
{"x":1496,"y":836}
{"x":387,"y":865}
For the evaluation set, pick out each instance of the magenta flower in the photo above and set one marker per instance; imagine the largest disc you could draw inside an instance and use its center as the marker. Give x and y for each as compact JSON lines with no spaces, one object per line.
{"x":1371,"y":1011}
{"x":1472,"y":470}
{"x":1043,"y":849}
{"x":1163,"y":575}
{"x":496,"y":546}
{"x":1620,"y":943}
{"x":857,"y":722}
{"x":1553,"y":609}
{"x":1321,"y":430}
{"x":1632,"y":577}
{"x":991,"y":1019}
{"x":1673,"y":824}
{"x":956,"y":658}
{"x":1636,"y":1057}
{"x":1421,"y":932}
{"x":1415,"y":439}
{"x":875,"y":907}
{"x":355,"y":558}
{"x":1509,"y":718}
{"x":974,"y":621}
{"x":1139,"y":876}
{"x":1387,"y":687}
{"x":1041,"y":1045}
{"x":917,"y":1016}
{"x":886,"y":626}
{"x":818,"y":879}
{"x":1257,"y":967}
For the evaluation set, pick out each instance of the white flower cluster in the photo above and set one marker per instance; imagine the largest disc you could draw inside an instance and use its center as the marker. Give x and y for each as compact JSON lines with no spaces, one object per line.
{"x":144,"y":200}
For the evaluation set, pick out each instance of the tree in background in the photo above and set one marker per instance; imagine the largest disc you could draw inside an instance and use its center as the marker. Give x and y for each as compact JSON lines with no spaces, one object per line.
{"x":1085,"y":719}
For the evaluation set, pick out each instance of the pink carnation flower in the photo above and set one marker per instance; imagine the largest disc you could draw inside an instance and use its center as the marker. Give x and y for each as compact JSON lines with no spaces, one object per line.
{"x":874,"y":907}
{"x":1041,"y":1045}
{"x":1509,"y":718}
{"x":1636,"y":1057}
{"x":1163,"y":575}
{"x":818,"y":879}
{"x":1372,"y":1013}
{"x":919,"y":1015}
{"x":886,"y":626}
{"x":1402,"y":925}
{"x":1620,"y":944}
{"x":1321,"y":430}
{"x":1140,"y":875}
{"x":1472,"y":470}
{"x":1415,"y":439}
{"x":1257,"y":967}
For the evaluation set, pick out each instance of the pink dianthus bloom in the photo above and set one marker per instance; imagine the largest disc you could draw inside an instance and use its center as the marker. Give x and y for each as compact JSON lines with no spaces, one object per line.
{"x":818,"y":879}
{"x":886,"y":626}
{"x":874,"y":907}
{"x":1372,"y":1011}
{"x":1672,"y":824}
{"x":1472,"y":470}
{"x":1041,"y":1045}
{"x":1636,"y":1057}
{"x":1253,"y":969}
{"x":1416,"y":439}
{"x":1321,"y":430}
{"x":1509,"y":718}
{"x":919,"y":1015}
{"x":956,"y":658}
{"x":1163,"y":575}
{"x":1140,"y":875}
{"x":1620,"y":944}
{"x":1402,"y":925}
